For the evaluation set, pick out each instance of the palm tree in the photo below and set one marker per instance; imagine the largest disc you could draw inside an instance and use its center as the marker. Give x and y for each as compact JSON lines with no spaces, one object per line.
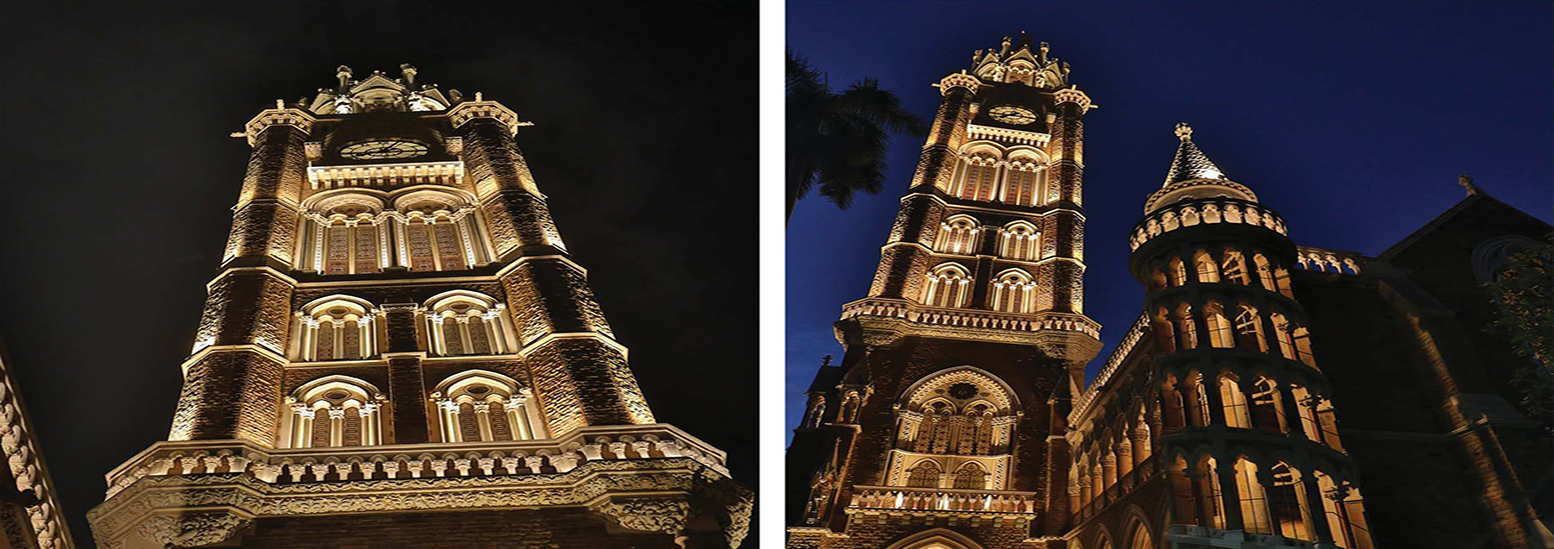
{"x":838,"y":140}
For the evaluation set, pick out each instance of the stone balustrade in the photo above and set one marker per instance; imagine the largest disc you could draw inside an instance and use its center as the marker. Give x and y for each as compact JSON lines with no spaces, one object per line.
{"x":1205,"y":211}
{"x":405,"y":461}
{"x":898,"y":498}
{"x":970,"y":318}
{"x":387,"y":175}
{"x":1330,"y":261}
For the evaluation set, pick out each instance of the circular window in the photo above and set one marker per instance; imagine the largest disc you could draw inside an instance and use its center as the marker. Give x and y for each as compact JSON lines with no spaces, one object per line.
{"x":336,"y":395}
{"x":478,"y":389}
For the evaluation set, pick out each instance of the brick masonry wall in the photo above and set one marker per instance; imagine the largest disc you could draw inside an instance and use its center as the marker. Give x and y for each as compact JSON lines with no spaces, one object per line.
{"x":519,"y":529}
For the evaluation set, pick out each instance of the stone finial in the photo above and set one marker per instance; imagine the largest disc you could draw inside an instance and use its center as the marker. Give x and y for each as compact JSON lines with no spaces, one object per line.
{"x":1467,"y":184}
{"x":1005,"y":44}
{"x":1045,"y":47}
{"x":1183,"y":131}
{"x":343,"y":73}
{"x":976,"y":56}
{"x":408,"y":72}
{"x":825,"y":361}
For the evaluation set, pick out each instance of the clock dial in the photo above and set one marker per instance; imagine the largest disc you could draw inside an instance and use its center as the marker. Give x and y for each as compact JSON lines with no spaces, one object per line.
{"x":1008,"y":114}
{"x":383,"y":149}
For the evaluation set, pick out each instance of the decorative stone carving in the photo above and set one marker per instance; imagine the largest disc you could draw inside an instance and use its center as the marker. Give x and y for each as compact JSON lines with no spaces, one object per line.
{"x":192,"y":529}
{"x":647,"y":514}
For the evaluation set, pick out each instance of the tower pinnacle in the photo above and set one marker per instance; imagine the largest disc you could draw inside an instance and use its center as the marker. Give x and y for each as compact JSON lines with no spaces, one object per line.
{"x":1183,"y":131}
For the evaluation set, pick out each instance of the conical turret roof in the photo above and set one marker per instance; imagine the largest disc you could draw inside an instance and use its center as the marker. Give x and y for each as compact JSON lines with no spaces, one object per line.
{"x":1190,"y":162}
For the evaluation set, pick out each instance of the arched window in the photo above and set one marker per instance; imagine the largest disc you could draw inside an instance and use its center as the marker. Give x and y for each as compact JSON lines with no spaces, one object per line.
{"x":1198,"y":398}
{"x":1234,"y":401}
{"x":1219,"y":326}
{"x":850,"y":406}
{"x":1023,"y":181}
{"x":1264,"y":273}
{"x":479,"y":405}
{"x":1187,"y":501}
{"x":1209,"y":494}
{"x":957,"y":235}
{"x":1345,"y":512}
{"x":1164,"y":333}
{"x":468,"y":323}
{"x":1186,"y":328}
{"x":1018,"y":240}
{"x":1281,"y":278}
{"x":337,"y":327}
{"x":1233,"y":267}
{"x":1254,"y":501}
{"x":331,"y":412}
{"x":1287,"y":498}
{"x":817,"y":413}
{"x":1283,"y":332}
{"x":1157,"y":279}
{"x":971,"y":476}
{"x":1140,"y":537}
{"x":1306,"y":410}
{"x":1174,"y":409}
{"x":1178,"y":271}
{"x":924,"y":475}
{"x":1206,"y":269}
{"x":344,"y":234}
{"x":979,"y":177}
{"x":1249,"y":328}
{"x":438,"y":231}
{"x":1013,"y":292}
{"x":1302,"y":341}
{"x":961,"y":411}
{"x":1267,"y":406}
{"x":948,"y":285}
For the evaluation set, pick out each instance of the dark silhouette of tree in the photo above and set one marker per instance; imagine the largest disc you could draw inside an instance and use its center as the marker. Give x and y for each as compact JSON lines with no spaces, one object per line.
{"x":837,"y":141}
{"x":1522,"y":292}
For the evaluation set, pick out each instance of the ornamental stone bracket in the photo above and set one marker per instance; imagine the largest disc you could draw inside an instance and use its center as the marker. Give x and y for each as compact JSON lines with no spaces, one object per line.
{"x":665,"y":515}
{"x":958,"y":80}
{"x":188,"y":529}
{"x":278,"y":116}
{"x":480,"y":108}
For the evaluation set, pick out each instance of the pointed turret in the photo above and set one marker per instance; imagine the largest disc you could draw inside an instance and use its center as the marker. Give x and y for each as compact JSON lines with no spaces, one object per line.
{"x":1193,"y":175}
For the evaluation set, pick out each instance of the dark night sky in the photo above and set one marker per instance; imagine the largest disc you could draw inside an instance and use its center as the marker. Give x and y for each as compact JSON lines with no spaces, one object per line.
{"x":1352,"y":119}
{"x":119,"y":180}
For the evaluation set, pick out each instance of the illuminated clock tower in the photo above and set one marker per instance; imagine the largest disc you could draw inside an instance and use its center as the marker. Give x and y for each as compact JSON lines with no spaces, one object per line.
{"x":943,"y":424}
{"x":397,"y":350}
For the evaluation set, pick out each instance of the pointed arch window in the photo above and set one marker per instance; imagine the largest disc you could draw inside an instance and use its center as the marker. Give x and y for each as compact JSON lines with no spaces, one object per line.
{"x":1019,"y":240}
{"x":1249,"y":328}
{"x":948,"y":285}
{"x":1178,"y":271}
{"x":1234,"y":401}
{"x":1219,"y":326}
{"x":1233,"y":267}
{"x":1199,"y":395}
{"x":439,"y":231}
{"x":479,"y":405}
{"x":1283,"y":332}
{"x":468,"y":323}
{"x":1186,"y":327}
{"x":1287,"y":498}
{"x":1209,"y":494}
{"x":335,"y":328}
{"x":1267,"y":406}
{"x":1207,"y":271}
{"x":979,"y":177}
{"x":332,"y":412}
{"x":924,"y":475}
{"x":344,"y":234}
{"x":1254,"y":500}
{"x":1164,"y":333}
{"x":971,"y":476}
{"x":958,"y":235}
{"x":1345,"y":512}
{"x":1013,"y":292}
{"x":1264,"y":272}
{"x":1022,"y":183}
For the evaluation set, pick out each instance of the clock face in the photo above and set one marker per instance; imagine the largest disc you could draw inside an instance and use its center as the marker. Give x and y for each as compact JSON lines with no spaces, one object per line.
{"x":1017,"y":116}
{"x":384,"y":149}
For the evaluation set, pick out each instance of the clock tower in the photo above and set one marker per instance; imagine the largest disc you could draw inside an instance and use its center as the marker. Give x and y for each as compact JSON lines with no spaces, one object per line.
{"x":397,"y":349}
{"x":943,"y":425}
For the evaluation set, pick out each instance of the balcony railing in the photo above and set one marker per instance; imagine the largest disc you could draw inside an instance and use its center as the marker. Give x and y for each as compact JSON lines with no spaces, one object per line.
{"x":970,"y":318}
{"x":404,"y":461}
{"x":1142,"y":473}
{"x":1208,"y":211}
{"x":897,"y":498}
{"x":1330,"y":261}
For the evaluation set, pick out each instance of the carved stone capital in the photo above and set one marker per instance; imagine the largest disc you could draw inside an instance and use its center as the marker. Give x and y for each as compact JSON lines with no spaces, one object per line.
{"x":665,"y":515}
{"x":193,"y":529}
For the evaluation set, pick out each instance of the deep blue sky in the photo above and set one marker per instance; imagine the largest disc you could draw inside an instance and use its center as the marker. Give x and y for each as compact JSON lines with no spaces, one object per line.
{"x":1352,"y":119}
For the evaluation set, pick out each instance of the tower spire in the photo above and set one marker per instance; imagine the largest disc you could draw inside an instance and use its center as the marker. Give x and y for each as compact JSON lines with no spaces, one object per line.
{"x":1190,"y":162}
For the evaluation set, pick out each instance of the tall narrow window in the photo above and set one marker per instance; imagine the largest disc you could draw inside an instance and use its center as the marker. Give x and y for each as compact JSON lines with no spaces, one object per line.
{"x":971,"y":477}
{"x":1174,"y":408}
{"x":468,"y":323}
{"x":1164,"y":333}
{"x":979,"y":176}
{"x":1186,"y":328}
{"x":1306,"y":409}
{"x":1233,"y":267}
{"x":340,"y":235}
{"x":1021,"y":185}
{"x":957,"y":235}
{"x":479,"y":405}
{"x":1210,"y":495}
{"x":947,"y":286}
{"x":1264,"y":273}
{"x":1254,"y":501}
{"x":1013,"y":292}
{"x":1207,"y":271}
{"x":1200,"y":399}
{"x":1249,"y":329}
{"x":1302,"y":341}
{"x":1287,"y":500}
{"x":1178,"y":271}
{"x":438,"y":231}
{"x":1219,"y":326}
{"x":1267,"y":406}
{"x":1282,"y":331}
{"x":331,"y":412}
{"x":1234,"y":402}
